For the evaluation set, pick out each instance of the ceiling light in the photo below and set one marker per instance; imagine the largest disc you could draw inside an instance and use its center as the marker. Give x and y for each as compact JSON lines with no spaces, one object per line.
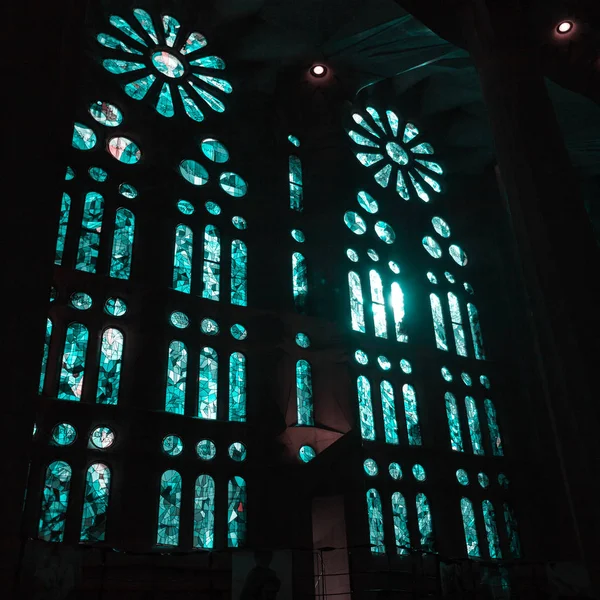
{"x":318,"y":70}
{"x":564,"y":27}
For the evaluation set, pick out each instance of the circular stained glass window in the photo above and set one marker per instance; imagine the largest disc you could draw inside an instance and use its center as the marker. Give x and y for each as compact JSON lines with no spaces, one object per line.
{"x":367,"y":202}
{"x":238,"y":331}
{"x":450,"y":277}
{"x":370,"y":467}
{"x":302,"y":340}
{"x":396,"y":153}
{"x":64,"y":434}
{"x":361,"y":358}
{"x":106,"y":114}
{"x":466,"y":379}
{"x":102,"y":437}
{"x":485,"y":382}
{"x":206,"y":450}
{"x":212,"y":207}
{"x":70,"y":174}
{"x":419,"y":473}
{"x":209,"y":327}
{"x":385,"y":232}
{"x":458,"y":255}
{"x":483,"y":480}
{"x":384,"y":363}
{"x":298,"y":236}
{"x":462,"y":477}
{"x":432,"y":247}
{"x":503,"y":480}
{"x":469,"y":288}
{"x":124,"y":150}
{"x":81,"y":301}
{"x":395,"y":471}
{"x":306,"y":454}
{"x":214,"y":150}
{"x":406,"y":366}
{"x":233,"y":184}
{"x":83,"y":137}
{"x":446,"y":374}
{"x":127,"y":190}
{"x":239,"y":223}
{"x":115,"y":307}
{"x":432,"y":278}
{"x":441,"y":227}
{"x":351,"y":254}
{"x":168,"y":64}
{"x":355,"y":222}
{"x":372,"y":254}
{"x":179,"y":320}
{"x":394,"y":267}
{"x":172,"y":445}
{"x":237,"y":451}
{"x":193,"y":172}
{"x":98,"y":174}
{"x":185,"y":207}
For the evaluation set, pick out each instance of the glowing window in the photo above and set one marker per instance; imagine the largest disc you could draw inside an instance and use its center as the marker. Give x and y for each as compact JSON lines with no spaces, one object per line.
{"x":438,"y":322}
{"x":304,"y":393}
{"x":370,"y":467}
{"x":375,"y":516}
{"x":73,"y":363}
{"x":204,"y":512}
{"x":212,"y":269}
{"x":106,"y":114}
{"x":412,"y":416}
{"x":432,"y":247}
{"x":474,"y":429}
{"x":302,"y":340}
{"x":55,"y":500}
{"x":365,"y":408}
{"x":238,"y":331}
{"x":109,"y":371}
{"x":457,"y":327}
{"x":83,"y":137}
{"x":237,"y":512}
{"x":102,"y":438}
{"x":453,"y":423}
{"x":179,"y":320}
{"x":468,"y":516}
{"x":182,"y":262}
{"x":80,"y":301}
{"x":237,"y":452}
{"x":214,"y":150}
{"x":398,"y":310}
{"x":237,"y":387}
{"x":209,"y":327}
{"x":356,"y":302}
{"x":208,"y":384}
{"x":395,"y":471}
{"x":476,"y":332}
{"x":95,"y":503}
{"x":419,"y":473}
{"x":122,"y":250}
{"x":64,"y":434}
{"x":239,"y":273}
{"x":206,"y":450}
{"x":233,"y":184}
{"x":193,"y":172}
{"x":425,"y":522}
{"x":169,"y":509}
{"x":176,"y":378}
{"x":389,"y":413}
{"x":91,"y":226}
{"x":462,"y":477}
{"x":172,"y":445}
{"x":400,"y":517}
{"x":367,"y":202}
{"x":379,"y":319}
{"x":299,"y":281}
{"x":489,"y":518}
{"x":124,"y":150}
{"x":306,"y":453}
{"x":361,"y":358}
{"x":63,"y":222}
{"x":355,"y":222}
{"x":295,"y":176}
{"x":493,"y":428}
{"x":385,"y":232}
{"x":45,"y":355}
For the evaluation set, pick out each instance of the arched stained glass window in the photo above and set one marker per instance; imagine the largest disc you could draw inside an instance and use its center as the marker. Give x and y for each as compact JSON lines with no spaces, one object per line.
{"x":365,"y":409}
{"x":182,"y":262}
{"x":425,"y":522}
{"x":176,"y":378}
{"x":45,"y":355}
{"x":412,"y":415}
{"x":91,"y":225}
{"x":512,"y":531}
{"x":493,"y":428}
{"x":299,"y":281}
{"x":457,"y":327}
{"x":95,"y":503}
{"x":453,"y":423}
{"x":379,"y":320}
{"x":356,"y":302}
{"x":476,"y":332}
{"x":438,"y":322}
{"x":169,"y":509}
{"x":304,"y":393}
{"x":400,"y":516}
{"x":73,"y":363}
{"x":375,"y":515}
{"x":109,"y":373}
{"x":236,"y":512}
{"x":55,"y":500}
{"x":239,"y":273}
{"x":468,"y":516}
{"x":208,"y":384}
{"x":211,"y":276}
{"x":237,"y":387}
{"x":204,"y":512}
{"x":389,"y":412}
{"x":474,"y":428}
{"x":489,"y":518}
{"x":122,"y":250}
{"x":398,"y":309}
{"x":63,"y":222}
{"x":296,"y":194}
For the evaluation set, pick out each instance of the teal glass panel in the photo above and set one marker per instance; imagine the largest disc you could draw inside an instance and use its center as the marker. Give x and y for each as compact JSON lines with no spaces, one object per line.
{"x":457,"y":327}
{"x":108,"y":41}
{"x":185,"y":207}
{"x":449,"y":277}
{"x":393,"y":122}
{"x":239,"y":273}
{"x":294,"y":140}
{"x":206,"y":450}
{"x":179,"y":320}
{"x":422,"y":149}
{"x":237,"y":387}
{"x":69,"y":174}
{"x":400,"y":517}
{"x":441,"y":227}
{"x":209,"y":327}
{"x":55,"y":500}
{"x":118,"y":67}
{"x":430,"y":181}
{"x":83,"y":137}
{"x":352,"y":255}
{"x":433,"y":166}
{"x":122,"y":250}
{"x":193,"y":172}
{"x":299,"y":281}
{"x":395,"y":471}
{"x":239,"y":223}
{"x":373,"y":255}
{"x":412,"y":417}
{"x":172,"y":445}
{"x":466,"y":379}
{"x":438,"y":322}
{"x":237,"y":513}
{"x":360,"y":121}
{"x":124,"y":150}
{"x":237,"y":452}
{"x":375,"y":516}
{"x":406,"y":366}
{"x":139,"y":88}
{"x":164,"y":104}
{"x":182,"y":262}
{"x":382,"y":177}
{"x":474,"y":429}
{"x":357,"y":310}
{"x":169,"y":509}
{"x":123,"y":26}
{"x":304,"y":393}
{"x":368,"y":159}
{"x":63,"y":221}
{"x":453,"y":423}
{"x":306,"y":453}
{"x":401,"y":188}
{"x":213,"y":149}
{"x":214,"y":103}
{"x":493,"y":428}
{"x":355,"y":222}
{"x":171,"y":27}
{"x":45,"y":355}
{"x":109,"y":372}
{"x":398,"y":310}
{"x":367,"y":202}
{"x":410,"y":132}
{"x":378,"y":306}
{"x":462,"y":477}
{"x":145,"y":20}
{"x":195,"y":41}
{"x":212,"y":268}
{"x":390,"y":423}
{"x":446,"y":374}
{"x":432,"y":247}
{"x":91,"y":226}
{"x":298,"y":236}
{"x":127,"y":190}
{"x":432,"y":278}
{"x":503,"y":480}
{"x":98,"y":174}
{"x":419,"y":473}
{"x":170,"y":66}
{"x":512,"y":531}
{"x":64,"y":434}
{"x":394,"y":267}
{"x":95,"y":504}
{"x":365,"y":409}
{"x":238,"y":331}
{"x":190,"y":106}
{"x":375,"y":116}
{"x":459,"y":256}
{"x":73,"y":363}
{"x":469,"y":288}
{"x":483,"y":480}
{"x":361,"y":358}
{"x":177,"y":363}
{"x":468,"y":517}
{"x":476,"y":332}
{"x":233,"y":184}
{"x":208,"y":384}
{"x":204,"y":512}
{"x":212,"y":207}
{"x":385,"y":232}
{"x":106,"y":114}
{"x":425,"y":522}
{"x":489,"y":518}
{"x":220,"y":84}
{"x":102,"y":438}
{"x":370,"y":467}
{"x":302,"y":340}
{"x":384,"y":363}
{"x":485,"y":382}
{"x":295,"y":176}
{"x":361,"y":140}
{"x":209,"y":62}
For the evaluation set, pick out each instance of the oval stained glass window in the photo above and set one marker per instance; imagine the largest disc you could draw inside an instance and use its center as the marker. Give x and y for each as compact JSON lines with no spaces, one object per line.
{"x":185,"y":207}
{"x":361,"y":358}
{"x":127,"y":190}
{"x":469,"y":288}
{"x":306,"y":453}
{"x":384,"y":363}
{"x":233,"y":184}
{"x":172,"y":445}
{"x":351,"y":254}
{"x":298,"y":236}
{"x":98,"y":174}
{"x":206,"y":449}
{"x":370,"y":467}
{"x":212,"y":207}
{"x":193,"y":172}
{"x":106,"y":114}
{"x":168,"y":64}
{"x":238,"y":331}
{"x":239,"y":223}
{"x":70,"y":174}
{"x":432,"y":247}
{"x":485,"y":382}
{"x":432,"y":278}
{"x":237,"y":452}
{"x":385,"y":232}
{"x":483,"y":480}
{"x":355,"y":223}
{"x":83,"y":137}
{"x":450,"y":277}
{"x":209,"y":327}
{"x":367,"y":202}
{"x":503,"y":480}
{"x":124,"y":150}
{"x":419,"y":472}
{"x":179,"y":320}
{"x":372,"y":254}
{"x":462,"y":477}
{"x":102,"y":437}
{"x":446,"y":374}
{"x":214,"y":150}
{"x":302,"y":340}
{"x":458,"y":255}
{"x":64,"y":434}
{"x":441,"y":227}
{"x":81,"y":301}
{"x":395,"y":471}
{"x":466,"y":379}
{"x":406,"y":366}
{"x":394,"y":268}
{"x":115,"y":307}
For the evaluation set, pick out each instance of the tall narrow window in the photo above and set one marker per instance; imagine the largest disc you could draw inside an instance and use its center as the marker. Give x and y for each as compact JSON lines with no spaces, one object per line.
{"x":375,"y":514}
{"x":182,"y":261}
{"x":399,"y":513}
{"x":512,"y":531}
{"x":63,"y":221}
{"x":237,"y":387}
{"x":457,"y":327}
{"x":239,"y":273}
{"x":468,"y":516}
{"x":390,"y":423}
{"x":237,"y":517}
{"x":304,"y":393}
{"x":204,"y":512}
{"x":176,"y":378}
{"x":356,"y":302}
{"x":476,"y":332}
{"x":91,"y":225}
{"x":55,"y":500}
{"x":474,"y":429}
{"x":492,"y":423}
{"x":122,"y":250}
{"x":45,"y":355}
{"x":296,"y":195}
{"x":95,"y":503}
{"x":109,"y":373}
{"x":299,"y":281}
{"x":365,"y":409}
{"x":489,"y":518}
{"x":438,"y":322}
{"x":398,"y":309}
{"x":412,"y":416}
{"x":425,"y":522}
{"x":378,"y":301}
{"x":169,"y":508}
{"x":208,"y":384}
{"x":211,"y":276}
{"x":73,"y":363}
{"x":453,"y":423}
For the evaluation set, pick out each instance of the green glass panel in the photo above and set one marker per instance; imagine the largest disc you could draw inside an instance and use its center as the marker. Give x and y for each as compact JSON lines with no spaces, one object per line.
{"x":352,"y":255}
{"x":220,"y":84}
{"x":209,"y":327}
{"x":108,"y":41}
{"x":469,"y":288}
{"x":185,"y":207}
{"x":356,"y":302}
{"x":362,"y":140}
{"x":239,"y":273}
{"x":401,"y":188}
{"x":124,"y":150}
{"x":410,"y":132}
{"x":115,"y":307}
{"x":474,"y":429}
{"x":237,"y":452}
{"x":378,"y":307}
{"x":375,"y":516}
{"x":397,"y":299}
{"x":176,"y":378}
{"x":73,"y":363}
{"x":211,"y":271}
{"x":302,"y":340}
{"x":98,"y":174}
{"x":432,"y":247}
{"x":299,"y":281}
{"x":212,"y":207}
{"x":458,"y":255}
{"x":179,"y":320}
{"x":304,"y":393}
{"x":360,"y":121}
{"x":204,"y":512}
{"x":476,"y":332}
{"x":438,"y":322}
{"x":368,"y":159}
{"x":396,"y":153}
{"x":237,"y":513}
{"x":55,"y":501}
{"x":462,"y":477}
{"x":190,"y":106}
{"x":119,"y":67}
{"x":214,"y":150}
{"x":425,"y":522}
{"x":106,"y":114}
{"x":172,"y":445}
{"x":123,"y":26}
{"x":139,"y":88}
{"x":433,"y":166}
{"x":400,"y":517}
{"x":406,"y":366}
{"x":422,"y":149}
{"x":367,"y":202}
{"x":294,"y":140}
{"x":419,"y":189}
{"x":69,"y":174}
{"x":446,"y":374}
{"x":355,"y":222}
{"x":468,"y":516}
{"x":489,"y":518}
{"x":370,"y":467}
{"x":238,"y":331}
{"x":206,"y":450}
{"x":373,"y":255}
{"x":164,"y":104}
{"x":393,"y":122}
{"x":306,"y":453}
{"x":127,"y":190}
{"x":512,"y":532}
{"x":233,"y":184}
{"x":441,"y":227}
{"x":430,"y":181}
{"x":382,"y":177}
{"x":83,"y":137}
{"x":45,"y":355}
{"x":209,"y":62}
{"x":432,"y":278}
{"x":394,"y":267}
{"x":122,"y":250}
{"x":453,"y":423}
{"x":214,"y":103}
{"x":412,"y":416}
{"x":483,"y":480}
{"x":449,"y":277}
{"x":193,"y":172}
{"x":493,"y":428}
{"x":102,"y":438}
{"x":237,"y":387}
{"x":466,"y":379}
{"x":385,"y":232}
{"x":419,"y":473}
{"x":109,"y":372}
{"x":457,"y":327}
{"x":298,"y":236}
{"x":169,"y":509}
{"x":171,"y":27}
{"x":91,"y":226}
{"x":64,"y":434}
{"x":208,"y":384}
{"x":375,"y":116}
{"x":503,"y":480}
{"x":390,"y":423}
{"x":195,"y":41}
{"x":182,"y":261}
{"x":485,"y":382}
{"x":80,"y":301}
{"x":395,"y":471}
{"x":365,"y":408}
{"x":384,"y":363}
{"x":95,"y":504}
{"x":145,"y":20}
{"x":361,"y":358}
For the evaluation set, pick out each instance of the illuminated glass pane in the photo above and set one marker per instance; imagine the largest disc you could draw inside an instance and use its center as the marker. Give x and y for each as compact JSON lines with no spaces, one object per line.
{"x":302,"y":340}
{"x":394,"y":267}
{"x":476,"y":332}
{"x":429,"y":180}
{"x":372,"y":254}
{"x":474,"y":429}
{"x":385,"y":232}
{"x":98,"y":174}
{"x":379,"y":319}
{"x":95,"y":503}
{"x":457,"y":327}
{"x":398,"y":310}
{"x":304,"y":393}
{"x":185,"y":207}
{"x":53,"y":293}
{"x":419,"y":473}
{"x":204,"y":512}
{"x":512,"y":532}
{"x":432,"y":278}
{"x":298,"y":236}
{"x":422,"y":149}
{"x":145,"y":20}
{"x":420,"y":191}
{"x":127,"y":190}
{"x":400,"y":518}
{"x":361,"y":358}
{"x":91,"y":226}
{"x":441,"y":227}
{"x":368,"y":159}
{"x":390,"y":423}
{"x":139,"y":88}
{"x":190,"y":106}
{"x":384,"y":363}
{"x":169,"y":65}
{"x":179,"y":320}
{"x":237,"y":452}
{"x":233,"y":184}
{"x":485,"y":382}
{"x":102,"y":438}
{"x":122,"y":250}
{"x":401,"y":188}
{"x":64,"y":434}
{"x":193,"y":172}
{"x":208,"y":384}
{"x":45,"y":355}
{"x":458,"y":255}
{"x":195,"y":41}
{"x":425,"y":522}
{"x":182,"y":262}
{"x":468,"y":516}
{"x":462,"y":477}
{"x":355,"y":222}
{"x":375,"y":514}
{"x":55,"y":500}
{"x":124,"y":150}
{"x":295,"y":177}
{"x":432,"y":246}
{"x":213,"y":149}
{"x":395,"y":471}
{"x":176,"y":378}
{"x":209,"y":327}
{"x":69,"y":174}
{"x":412,"y":417}
{"x":446,"y":374}
{"x":172,"y":445}
{"x":396,"y":153}
{"x":299,"y":281}
{"x":361,"y":139}
{"x":352,"y":255}
{"x":503,"y":480}
{"x":108,"y":41}
{"x":356,"y":302}
{"x":438,"y":322}
{"x":306,"y":453}
{"x":169,"y":509}
{"x":393,"y":122}
{"x":483,"y":480}
{"x":106,"y":114}
{"x":109,"y":371}
{"x":122,"y":25}
{"x":493,"y":428}
{"x":294,"y":140}
{"x":360,"y":121}
{"x":238,"y":331}
{"x":236,"y":512}
{"x":239,"y":223}
{"x":449,"y":277}
{"x":367,"y":202}
{"x":164,"y":104}
{"x":489,"y":518}
{"x":453,"y":423}
{"x":83,"y":137}
{"x":370,"y":467}
{"x":375,"y":116}
{"x":365,"y":409}
{"x":73,"y":363}
{"x":212,"y":207}
{"x":212,"y":257}
{"x":406,"y":366}
{"x":466,"y":379}
{"x":118,"y":67}
{"x":239,"y":273}
{"x":206,"y":450}
{"x":214,"y":103}
{"x":237,"y":387}
{"x":220,"y":84}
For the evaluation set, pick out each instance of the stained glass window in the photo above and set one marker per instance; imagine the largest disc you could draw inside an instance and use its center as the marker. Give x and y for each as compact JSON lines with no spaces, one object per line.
{"x":304,"y":393}
{"x":405,"y":366}
{"x":468,"y":516}
{"x":83,"y":137}
{"x":172,"y":445}
{"x":489,"y":518}
{"x":45,"y":355}
{"x":63,"y":221}
{"x":106,"y":114}
{"x":361,"y":358}
{"x":182,"y":262}
{"x":412,"y":416}
{"x":476,"y":332}
{"x":384,"y":363}
{"x":204,"y":512}
{"x":237,"y":387}
{"x":212,"y":259}
{"x":214,"y":150}
{"x":400,"y":517}
{"x":239,"y":273}
{"x":375,"y":515}
{"x":122,"y":250}
{"x":209,"y":327}
{"x":116,"y":307}
{"x":306,"y":453}
{"x":438,"y":322}
{"x":206,"y":449}
{"x":483,"y":480}
{"x":109,"y":373}
{"x":302,"y":340}
{"x":425,"y":522}
{"x":453,"y":423}
{"x":179,"y":320}
{"x":462,"y":477}
{"x":474,"y":429}
{"x":64,"y":434}
{"x":73,"y":363}
{"x":233,"y":184}
{"x":95,"y":503}
{"x":296,"y":194}
{"x":457,"y":327}
{"x":169,"y":508}
{"x":236,"y":512}
{"x":419,"y":473}
{"x":512,"y":531}
{"x":395,"y":471}
{"x":299,"y":281}
{"x":208,"y":384}
{"x":176,"y":378}
{"x":91,"y":225}
{"x":237,"y":451}
{"x":55,"y":500}
{"x":356,"y":302}
{"x":390,"y":423}
{"x":365,"y":409}
{"x":102,"y":438}
{"x":370,"y":467}
{"x":493,"y":428}
{"x":124,"y":150}
{"x":80,"y":301}
{"x":98,"y":174}
{"x":379,"y":320}
{"x":398,"y":309}
{"x":212,"y":207}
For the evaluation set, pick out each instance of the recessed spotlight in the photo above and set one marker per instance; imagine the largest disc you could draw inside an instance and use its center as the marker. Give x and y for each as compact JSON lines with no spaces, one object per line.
{"x":564,"y":27}
{"x":318,"y":70}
